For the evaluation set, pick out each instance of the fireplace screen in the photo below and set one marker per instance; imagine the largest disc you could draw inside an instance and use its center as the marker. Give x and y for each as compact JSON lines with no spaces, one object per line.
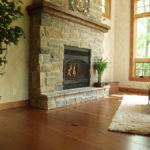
{"x":76,"y":68}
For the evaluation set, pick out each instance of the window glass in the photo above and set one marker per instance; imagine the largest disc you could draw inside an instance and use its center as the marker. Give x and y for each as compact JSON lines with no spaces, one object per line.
{"x":143,"y":38}
{"x":143,"y":6}
{"x":142,"y":69}
{"x":103,"y":6}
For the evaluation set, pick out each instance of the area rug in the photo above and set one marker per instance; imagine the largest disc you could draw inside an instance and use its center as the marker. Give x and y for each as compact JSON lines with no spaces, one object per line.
{"x":132,"y":116}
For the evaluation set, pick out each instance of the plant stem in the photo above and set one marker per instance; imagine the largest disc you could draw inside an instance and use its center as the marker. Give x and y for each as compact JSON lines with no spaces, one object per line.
{"x":100,"y":77}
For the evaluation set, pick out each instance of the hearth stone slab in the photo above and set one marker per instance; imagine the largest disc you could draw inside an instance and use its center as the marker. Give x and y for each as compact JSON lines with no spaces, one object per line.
{"x":69,"y":97}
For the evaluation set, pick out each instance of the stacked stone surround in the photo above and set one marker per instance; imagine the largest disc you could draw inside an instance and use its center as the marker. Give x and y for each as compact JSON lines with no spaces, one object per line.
{"x":49,"y":35}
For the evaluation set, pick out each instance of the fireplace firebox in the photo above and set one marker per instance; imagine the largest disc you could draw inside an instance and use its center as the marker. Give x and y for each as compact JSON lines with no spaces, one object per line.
{"x":76,"y":67}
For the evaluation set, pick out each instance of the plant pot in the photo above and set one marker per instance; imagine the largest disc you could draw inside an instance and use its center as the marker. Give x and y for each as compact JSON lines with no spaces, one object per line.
{"x":98,"y":85}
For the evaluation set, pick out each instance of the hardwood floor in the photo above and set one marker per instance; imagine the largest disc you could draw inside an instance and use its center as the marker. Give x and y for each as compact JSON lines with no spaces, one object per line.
{"x":79,"y":127}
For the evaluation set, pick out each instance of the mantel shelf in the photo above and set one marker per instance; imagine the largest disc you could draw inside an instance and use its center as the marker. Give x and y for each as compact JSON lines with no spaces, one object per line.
{"x":48,"y":8}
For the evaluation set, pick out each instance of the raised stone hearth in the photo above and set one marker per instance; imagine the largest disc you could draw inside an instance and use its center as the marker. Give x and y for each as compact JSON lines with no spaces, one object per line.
{"x":52,"y":29}
{"x":71,"y":96}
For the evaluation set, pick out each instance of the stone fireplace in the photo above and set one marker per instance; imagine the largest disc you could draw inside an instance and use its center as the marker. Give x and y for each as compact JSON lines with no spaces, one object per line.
{"x":63,"y":47}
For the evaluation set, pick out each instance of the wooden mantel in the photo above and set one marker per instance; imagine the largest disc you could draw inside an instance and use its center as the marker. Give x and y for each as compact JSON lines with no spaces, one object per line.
{"x":48,"y":8}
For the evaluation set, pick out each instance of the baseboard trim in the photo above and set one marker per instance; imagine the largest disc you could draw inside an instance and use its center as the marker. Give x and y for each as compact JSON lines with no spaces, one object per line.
{"x":139,"y":91}
{"x":10,"y":105}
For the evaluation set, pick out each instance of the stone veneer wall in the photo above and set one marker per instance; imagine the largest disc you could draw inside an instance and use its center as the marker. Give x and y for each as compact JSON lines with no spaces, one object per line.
{"x":54,"y":34}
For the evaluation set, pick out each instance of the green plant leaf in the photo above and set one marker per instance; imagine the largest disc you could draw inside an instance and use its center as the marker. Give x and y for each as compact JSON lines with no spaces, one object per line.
{"x":10,"y":11}
{"x":100,"y":65}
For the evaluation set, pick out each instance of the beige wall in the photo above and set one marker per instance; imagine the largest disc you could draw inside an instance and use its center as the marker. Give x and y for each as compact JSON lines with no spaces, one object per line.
{"x":108,"y":45}
{"x":14,"y":83}
{"x":122,"y":46}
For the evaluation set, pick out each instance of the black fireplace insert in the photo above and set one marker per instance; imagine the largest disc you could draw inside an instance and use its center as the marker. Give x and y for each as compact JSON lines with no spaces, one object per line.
{"x":76,"y":67}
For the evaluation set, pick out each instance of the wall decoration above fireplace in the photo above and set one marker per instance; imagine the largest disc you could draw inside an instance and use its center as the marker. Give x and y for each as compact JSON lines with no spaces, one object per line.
{"x":76,"y":67}
{"x":80,"y":6}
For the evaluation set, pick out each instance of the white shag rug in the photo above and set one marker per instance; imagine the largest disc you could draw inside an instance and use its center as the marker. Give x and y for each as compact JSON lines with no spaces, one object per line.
{"x":132,"y":116}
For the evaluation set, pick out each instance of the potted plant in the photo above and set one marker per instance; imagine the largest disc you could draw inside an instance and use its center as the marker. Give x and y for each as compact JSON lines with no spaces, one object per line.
{"x":100,"y":65}
{"x":10,"y":11}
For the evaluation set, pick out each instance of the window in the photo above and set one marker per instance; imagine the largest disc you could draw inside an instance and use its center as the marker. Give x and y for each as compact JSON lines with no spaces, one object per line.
{"x":140,"y":40}
{"x":106,"y":8}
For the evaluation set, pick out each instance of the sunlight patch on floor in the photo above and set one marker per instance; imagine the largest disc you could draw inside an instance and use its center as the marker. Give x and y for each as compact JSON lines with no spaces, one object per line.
{"x":116,"y":95}
{"x":135,"y":99}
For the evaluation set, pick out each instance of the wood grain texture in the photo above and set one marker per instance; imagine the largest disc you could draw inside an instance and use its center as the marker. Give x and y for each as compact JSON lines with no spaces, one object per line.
{"x":147,"y":14}
{"x":82,"y":127}
{"x":114,"y":88}
{"x":134,"y":90}
{"x":107,"y":9}
{"x":131,"y":74}
{"x":48,"y":8}
{"x":9,"y":105}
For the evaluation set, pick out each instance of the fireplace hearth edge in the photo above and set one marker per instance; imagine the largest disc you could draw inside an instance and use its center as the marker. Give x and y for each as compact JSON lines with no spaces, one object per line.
{"x":71,"y":96}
